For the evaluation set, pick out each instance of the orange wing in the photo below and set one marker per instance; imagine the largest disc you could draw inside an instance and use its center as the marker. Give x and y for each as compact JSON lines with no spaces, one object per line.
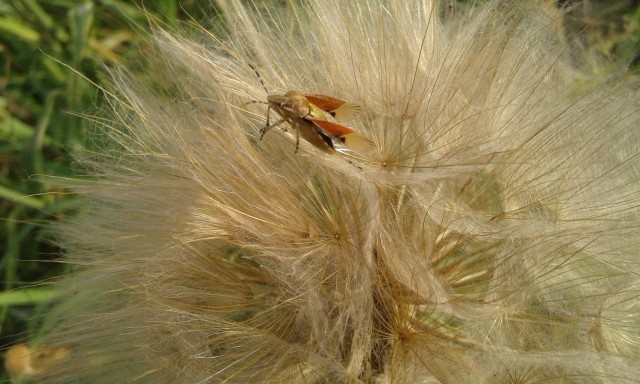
{"x":338,"y":108}
{"x":326,"y":103}
{"x":334,"y":129}
{"x":346,"y":136}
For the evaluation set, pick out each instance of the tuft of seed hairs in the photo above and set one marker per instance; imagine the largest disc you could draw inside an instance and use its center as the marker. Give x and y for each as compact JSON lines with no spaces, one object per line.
{"x":489,"y":235}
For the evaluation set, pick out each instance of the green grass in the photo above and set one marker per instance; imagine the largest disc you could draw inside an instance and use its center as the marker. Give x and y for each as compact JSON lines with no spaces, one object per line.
{"x":50,"y":52}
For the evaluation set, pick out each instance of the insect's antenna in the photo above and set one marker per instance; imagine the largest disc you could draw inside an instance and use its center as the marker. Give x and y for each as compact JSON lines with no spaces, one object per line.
{"x":256,"y":102}
{"x":259,"y":78}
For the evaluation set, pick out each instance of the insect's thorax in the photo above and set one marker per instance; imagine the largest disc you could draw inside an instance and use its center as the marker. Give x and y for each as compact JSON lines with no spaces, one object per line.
{"x":291,"y":105}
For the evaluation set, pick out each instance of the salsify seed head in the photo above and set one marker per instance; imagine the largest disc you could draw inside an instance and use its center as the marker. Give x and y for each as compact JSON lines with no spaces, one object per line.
{"x":489,"y":233}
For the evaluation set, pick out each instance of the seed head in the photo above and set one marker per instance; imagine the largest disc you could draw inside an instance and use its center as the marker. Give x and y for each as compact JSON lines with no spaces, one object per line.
{"x":488,"y":235}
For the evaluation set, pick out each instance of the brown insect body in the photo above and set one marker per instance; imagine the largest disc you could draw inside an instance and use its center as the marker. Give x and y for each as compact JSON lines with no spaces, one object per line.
{"x":292,"y":104}
{"x":308,"y":115}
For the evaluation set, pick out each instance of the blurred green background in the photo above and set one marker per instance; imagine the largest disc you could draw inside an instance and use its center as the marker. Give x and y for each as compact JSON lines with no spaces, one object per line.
{"x":50,"y":49}
{"x":50,"y":52}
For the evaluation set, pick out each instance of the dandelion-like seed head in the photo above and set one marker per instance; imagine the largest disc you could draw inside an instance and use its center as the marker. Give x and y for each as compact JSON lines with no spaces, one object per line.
{"x":488,"y":234}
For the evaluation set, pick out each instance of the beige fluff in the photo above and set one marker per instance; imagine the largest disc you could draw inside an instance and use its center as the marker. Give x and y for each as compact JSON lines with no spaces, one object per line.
{"x":489,"y":236}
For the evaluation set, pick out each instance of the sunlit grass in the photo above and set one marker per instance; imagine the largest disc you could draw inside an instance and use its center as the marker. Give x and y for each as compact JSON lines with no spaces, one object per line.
{"x":50,"y":52}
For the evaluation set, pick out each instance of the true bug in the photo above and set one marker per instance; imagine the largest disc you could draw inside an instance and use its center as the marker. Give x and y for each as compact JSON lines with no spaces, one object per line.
{"x":308,"y":115}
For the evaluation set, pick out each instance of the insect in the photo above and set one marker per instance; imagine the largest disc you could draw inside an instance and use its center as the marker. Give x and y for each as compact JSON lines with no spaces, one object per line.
{"x":309,"y":115}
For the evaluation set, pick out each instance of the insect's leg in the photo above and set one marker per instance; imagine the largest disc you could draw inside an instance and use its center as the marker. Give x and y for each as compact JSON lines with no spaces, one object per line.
{"x":297,"y":140}
{"x":266,"y":128}
{"x":268,"y":115}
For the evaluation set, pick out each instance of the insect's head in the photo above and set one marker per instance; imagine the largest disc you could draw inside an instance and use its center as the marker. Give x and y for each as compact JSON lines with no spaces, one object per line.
{"x":292,"y":104}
